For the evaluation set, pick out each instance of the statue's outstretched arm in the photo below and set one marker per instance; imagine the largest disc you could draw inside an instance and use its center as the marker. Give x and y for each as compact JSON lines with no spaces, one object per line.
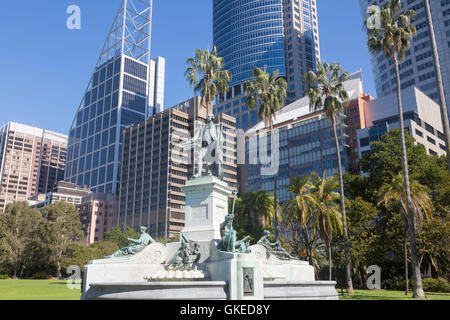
{"x":135,"y":240}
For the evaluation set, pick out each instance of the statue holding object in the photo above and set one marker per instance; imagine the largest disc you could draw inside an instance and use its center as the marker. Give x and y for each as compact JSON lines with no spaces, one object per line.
{"x":275,"y":248}
{"x":211,"y":151}
{"x":229,"y":242}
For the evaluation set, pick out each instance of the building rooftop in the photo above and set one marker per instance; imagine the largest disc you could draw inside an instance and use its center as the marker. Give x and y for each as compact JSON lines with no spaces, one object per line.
{"x":300,"y":107}
{"x":35,"y":131}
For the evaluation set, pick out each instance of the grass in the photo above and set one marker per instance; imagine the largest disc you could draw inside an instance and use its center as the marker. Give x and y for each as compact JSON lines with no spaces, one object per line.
{"x":389,"y":295}
{"x":37,"y":290}
{"x":57,"y":290}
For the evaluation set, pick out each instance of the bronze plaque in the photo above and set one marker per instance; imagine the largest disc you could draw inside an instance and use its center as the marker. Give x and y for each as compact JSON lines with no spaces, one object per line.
{"x":248,"y":280}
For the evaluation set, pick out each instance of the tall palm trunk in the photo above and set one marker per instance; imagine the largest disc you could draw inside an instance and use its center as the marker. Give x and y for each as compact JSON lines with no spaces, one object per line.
{"x":275,"y":183}
{"x":405,"y":252}
{"x":418,"y":288}
{"x":437,"y":69}
{"x":348,"y":270}
{"x":329,"y":260}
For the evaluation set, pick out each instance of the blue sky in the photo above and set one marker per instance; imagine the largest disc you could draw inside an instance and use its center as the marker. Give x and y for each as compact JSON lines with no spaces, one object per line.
{"x":45,"y":68}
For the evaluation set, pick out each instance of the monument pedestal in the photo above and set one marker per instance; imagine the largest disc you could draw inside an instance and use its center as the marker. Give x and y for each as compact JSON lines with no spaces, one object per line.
{"x":242,"y":273}
{"x":206,"y":207}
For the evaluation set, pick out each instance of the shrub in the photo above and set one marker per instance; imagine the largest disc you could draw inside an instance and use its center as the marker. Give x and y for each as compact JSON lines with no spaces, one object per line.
{"x":397,"y":283}
{"x":4,"y":276}
{"x":435,"y":285}
{"x":41,"y":276}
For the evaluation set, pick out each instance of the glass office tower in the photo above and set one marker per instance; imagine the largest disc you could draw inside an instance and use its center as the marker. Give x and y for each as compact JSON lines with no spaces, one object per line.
{"x":270,"y":34}
{"x":249,"y":34}
{"x":124,"y":89}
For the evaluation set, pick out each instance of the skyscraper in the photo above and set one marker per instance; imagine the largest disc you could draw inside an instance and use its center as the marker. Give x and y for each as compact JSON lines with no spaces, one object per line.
{"x":306,"y":143}
{"x":271,"y":34}
{"x":32,"y":161}
{"x":417,"y":69}
{"x":125,"y":88}
{"x":155,"y":167}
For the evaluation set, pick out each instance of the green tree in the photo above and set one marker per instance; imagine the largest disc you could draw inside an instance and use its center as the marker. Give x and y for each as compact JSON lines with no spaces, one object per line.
{"x":79,"y":254}
{"x":384,"y":161}
{"x":297,"y":213}
{"x":253,"y":213}
{"x":206,"y":76}
{"x":259,"y":205}
{"x":434,"y":245}
{"x":63,"y":226}
{"x":394,"y":39}
{"x":394,"y":192}
{"x":301,"y":206}
{"x":326,"y":92}
{"x":326,"y":218}
{"x":364,"y":238}
{"x":120,"y":236}
{"x":106,"y":248}
{"x":267,"y":92}
{"x":19,"y":234}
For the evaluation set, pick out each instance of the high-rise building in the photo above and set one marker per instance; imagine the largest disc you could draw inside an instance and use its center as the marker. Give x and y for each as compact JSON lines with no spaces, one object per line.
{"x":421,"y":115}
{"x":417,"y":69}
{"x":155,"y":167}
{"x":125,"y":88}
{"x":98,"y":214}
{"x":301,"y":33}
{"x":32,"y":160}
{"x":63,"y":191}
{"x":271,"y":34}
{"x":306,"y":142}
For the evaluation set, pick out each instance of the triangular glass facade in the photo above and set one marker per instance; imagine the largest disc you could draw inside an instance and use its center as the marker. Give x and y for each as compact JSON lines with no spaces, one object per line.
{"x":117,"y":96}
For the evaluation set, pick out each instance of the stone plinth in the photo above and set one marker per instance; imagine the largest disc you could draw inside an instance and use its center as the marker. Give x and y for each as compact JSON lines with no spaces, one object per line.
{"x":206,"y":208}
{"x":242,"y":272}
{"x":125,"y":269}
{"x":300,"y":290}
{"x":176,"y":290}
{"x":288,"y":270}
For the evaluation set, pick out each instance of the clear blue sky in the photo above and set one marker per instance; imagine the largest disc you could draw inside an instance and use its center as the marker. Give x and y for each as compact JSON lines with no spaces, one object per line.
{"x":45,"y":68}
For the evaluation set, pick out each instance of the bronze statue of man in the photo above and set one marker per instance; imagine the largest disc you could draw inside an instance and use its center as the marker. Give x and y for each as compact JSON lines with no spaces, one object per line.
{"x":229,"y":242}
{"x":211,"y":152}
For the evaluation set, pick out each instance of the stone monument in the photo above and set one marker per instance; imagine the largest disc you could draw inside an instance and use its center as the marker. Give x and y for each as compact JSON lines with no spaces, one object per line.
{"x":209,"y":262}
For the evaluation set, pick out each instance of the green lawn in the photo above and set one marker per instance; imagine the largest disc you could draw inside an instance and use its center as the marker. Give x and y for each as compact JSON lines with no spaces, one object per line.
{"x":389,"y":295}
{"x":37,"y":290}
{"x":57,"y":290}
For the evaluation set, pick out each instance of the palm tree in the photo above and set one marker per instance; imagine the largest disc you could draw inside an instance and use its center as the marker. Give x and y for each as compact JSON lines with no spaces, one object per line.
{"x":259,"y":205}
{"x":268,"y":91}
{"x":394,"y":39}
{"x":437,"y":71}
{"x":301,"y":205}
{"x":326,"y":92}
{"x":207,"y":66}
{"x":326,"y":218}
{"x":297,"y":214}
{"x":421,"y":203}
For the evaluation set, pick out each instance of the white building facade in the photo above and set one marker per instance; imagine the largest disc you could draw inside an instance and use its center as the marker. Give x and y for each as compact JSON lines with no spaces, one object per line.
{"x":422,"y":119}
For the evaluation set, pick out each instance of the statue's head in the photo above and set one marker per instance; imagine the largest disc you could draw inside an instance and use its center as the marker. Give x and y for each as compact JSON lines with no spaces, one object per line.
{"x":209,"y":118}
{"x":143,"y":228}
